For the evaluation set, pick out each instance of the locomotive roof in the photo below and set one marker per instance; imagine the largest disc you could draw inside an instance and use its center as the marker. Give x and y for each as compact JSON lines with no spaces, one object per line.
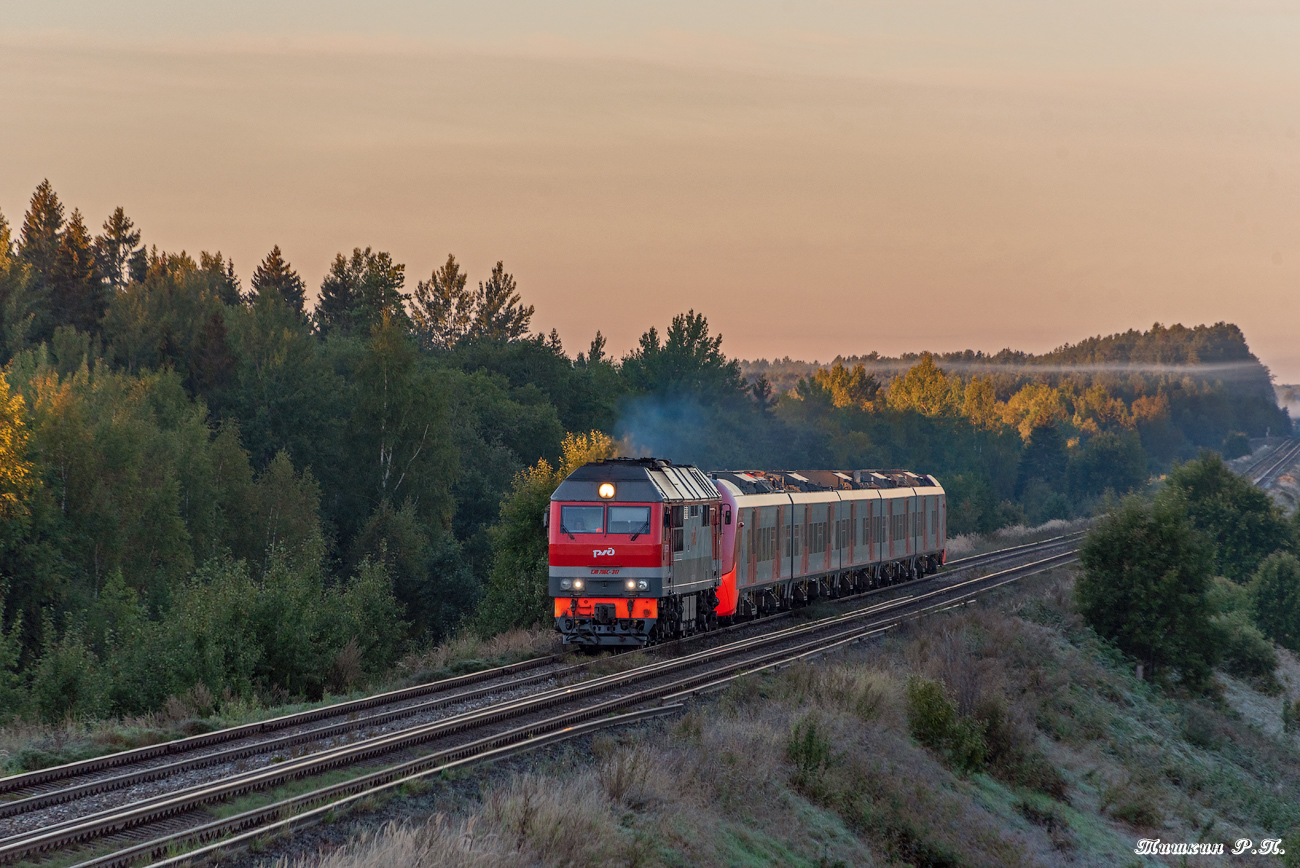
{"x":638,"y":480}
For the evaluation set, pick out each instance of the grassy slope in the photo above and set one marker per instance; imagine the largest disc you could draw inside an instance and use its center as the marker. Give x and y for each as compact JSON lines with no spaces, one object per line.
{"x":1086,"y":760}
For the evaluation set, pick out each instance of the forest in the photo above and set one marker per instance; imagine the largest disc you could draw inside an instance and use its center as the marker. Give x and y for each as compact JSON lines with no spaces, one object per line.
{"x":212,"y":483}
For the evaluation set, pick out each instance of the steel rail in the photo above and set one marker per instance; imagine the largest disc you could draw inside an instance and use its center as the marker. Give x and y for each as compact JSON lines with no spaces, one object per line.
{"x":254,"y":824}
{"x":160,"y":807}
{"x":1287,"y":454}
{"x":162,"y":749}
{"x":300,"y":811}
{"x":228,"y":755}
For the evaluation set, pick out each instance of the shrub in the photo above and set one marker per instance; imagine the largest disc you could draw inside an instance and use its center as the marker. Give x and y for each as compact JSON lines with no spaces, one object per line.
{"x":809,"y":749}
{"x":1275,"y":596}
{"x":933,"y":720}
{"x":1235,"y":445}
{"x":1241,"y":521}
{"x":1145,"y":587}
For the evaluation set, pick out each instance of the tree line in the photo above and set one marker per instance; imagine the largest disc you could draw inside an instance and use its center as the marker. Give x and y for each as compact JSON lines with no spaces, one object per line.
{"x":207,"y":484}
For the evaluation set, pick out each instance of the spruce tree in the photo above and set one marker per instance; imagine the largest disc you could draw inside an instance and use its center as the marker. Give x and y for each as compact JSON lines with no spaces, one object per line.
{"x":443,"y":308}
{"x":221,"y":277}
{"x":498,"y":315}
{"x":16,"y":301}
{"x":115,"y":249}
{"x":42,"y":226}
{"x":358,"y":290}
{"x":277,"y":279}
{"x":76,"y":296}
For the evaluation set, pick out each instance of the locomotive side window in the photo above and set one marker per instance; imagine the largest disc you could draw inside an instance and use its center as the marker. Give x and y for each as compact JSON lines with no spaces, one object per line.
{"x":629,"y":519}
{"x":582,"y":519}
{"x":695,"y":509}
{"x":704,"y":514}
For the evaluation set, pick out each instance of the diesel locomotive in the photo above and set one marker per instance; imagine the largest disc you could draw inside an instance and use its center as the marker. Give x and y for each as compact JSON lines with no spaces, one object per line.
{"x":643,"y":550}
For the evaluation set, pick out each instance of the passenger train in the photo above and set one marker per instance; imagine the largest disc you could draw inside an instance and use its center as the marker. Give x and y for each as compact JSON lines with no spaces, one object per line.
{"x":643,"y":550}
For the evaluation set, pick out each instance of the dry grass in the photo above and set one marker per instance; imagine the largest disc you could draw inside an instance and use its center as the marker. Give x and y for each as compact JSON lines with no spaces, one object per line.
{"x":965,"y":545}
{"x":815,"y":766}
{"x":467,"y":653}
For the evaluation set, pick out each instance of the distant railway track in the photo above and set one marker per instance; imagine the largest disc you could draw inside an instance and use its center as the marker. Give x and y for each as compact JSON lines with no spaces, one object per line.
{"x":177,"y":815}
{"x":1273,"y":463}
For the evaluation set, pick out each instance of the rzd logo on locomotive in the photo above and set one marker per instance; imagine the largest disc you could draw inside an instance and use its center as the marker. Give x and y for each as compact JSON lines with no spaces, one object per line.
{"x":595,"y":553}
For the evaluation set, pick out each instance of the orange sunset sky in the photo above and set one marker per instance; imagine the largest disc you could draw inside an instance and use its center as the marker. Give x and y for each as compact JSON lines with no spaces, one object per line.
{"x":818,"y":178}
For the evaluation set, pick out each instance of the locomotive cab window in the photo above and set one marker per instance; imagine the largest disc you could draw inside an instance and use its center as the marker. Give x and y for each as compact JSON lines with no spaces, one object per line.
{"x":629,"y":519}
{"x":582,"y":519}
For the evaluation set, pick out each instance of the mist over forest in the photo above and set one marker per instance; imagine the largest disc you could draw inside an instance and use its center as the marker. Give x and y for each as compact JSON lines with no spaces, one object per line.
{"x":206,"y":480}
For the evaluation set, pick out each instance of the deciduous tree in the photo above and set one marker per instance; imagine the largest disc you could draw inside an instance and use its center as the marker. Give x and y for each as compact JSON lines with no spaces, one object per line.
{"x":1144,"y":586}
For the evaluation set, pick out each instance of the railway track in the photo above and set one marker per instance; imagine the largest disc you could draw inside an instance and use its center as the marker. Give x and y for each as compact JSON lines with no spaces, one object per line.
{"x":499,"y":726}
{"x":1272,"y":464}
{"x":24,"y":793}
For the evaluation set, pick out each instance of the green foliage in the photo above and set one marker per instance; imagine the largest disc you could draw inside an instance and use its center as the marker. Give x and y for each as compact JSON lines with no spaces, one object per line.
{"x":1275,"y":597}
{"x":358,"y":291}
{"x":809,"y":749}
{"x":517,"y":592}
{"x":277,"y":283}
{"x":1107,"y":462}
{"x":1145,"y":587}
{"x":1240,"y":519}
{"x":688,"y":359}
{"x":1246,"y":652}
{"x":1235,"y":445}
{"x":67,"y":682}
{"x":933,"y":720}
{"x":517,"y":586}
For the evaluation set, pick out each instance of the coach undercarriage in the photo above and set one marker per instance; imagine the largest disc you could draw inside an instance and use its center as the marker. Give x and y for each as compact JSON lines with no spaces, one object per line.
{"x":794,"y":593}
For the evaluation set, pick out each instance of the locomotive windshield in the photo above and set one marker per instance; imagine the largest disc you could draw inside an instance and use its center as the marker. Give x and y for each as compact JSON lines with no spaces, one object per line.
{"x":629,"y":519}
{"x":582,"y":519}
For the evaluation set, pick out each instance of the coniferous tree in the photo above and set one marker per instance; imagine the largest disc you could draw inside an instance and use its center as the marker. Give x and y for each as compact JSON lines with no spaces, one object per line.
{"x":76,"y":295}
{"x":275,"y":278}
{"x":358,"y":290}
{"x":42,"y":226}
{"x":115,"y":249}
{"x":221,"y":277}
{"x":443,"y":308}
{"x":498,"y":315}
{"x":16,"y":300}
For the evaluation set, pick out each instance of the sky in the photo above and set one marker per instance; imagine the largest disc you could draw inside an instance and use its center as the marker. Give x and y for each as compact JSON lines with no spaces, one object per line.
{"x":818,"y":178}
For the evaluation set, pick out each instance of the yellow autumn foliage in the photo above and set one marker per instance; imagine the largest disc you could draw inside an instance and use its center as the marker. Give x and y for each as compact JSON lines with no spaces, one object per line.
{"x":15,"y":470}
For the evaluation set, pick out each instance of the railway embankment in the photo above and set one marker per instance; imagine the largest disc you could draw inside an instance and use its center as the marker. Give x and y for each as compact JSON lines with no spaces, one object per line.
{"x":1002,"y":733}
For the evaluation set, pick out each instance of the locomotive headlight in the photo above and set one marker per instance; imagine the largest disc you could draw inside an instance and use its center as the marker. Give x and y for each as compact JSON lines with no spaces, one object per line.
{"x":565,"y":584}
{"x":577,"y":584}
{"x":631,"y":585}
{"x":606,"y":490}
{"x":642,"y":585}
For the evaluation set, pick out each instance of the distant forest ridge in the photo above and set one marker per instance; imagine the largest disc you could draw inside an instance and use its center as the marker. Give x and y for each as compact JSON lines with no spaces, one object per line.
{"x":1216,"y":352}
